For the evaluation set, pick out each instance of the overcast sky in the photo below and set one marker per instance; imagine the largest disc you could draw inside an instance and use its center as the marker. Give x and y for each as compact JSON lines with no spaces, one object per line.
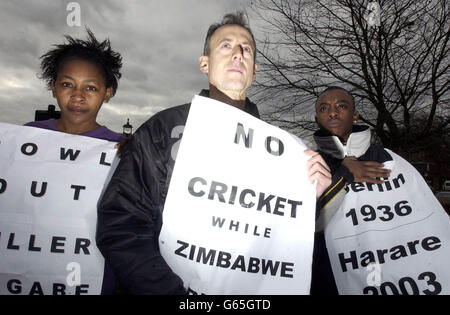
{"x":159,"y":40}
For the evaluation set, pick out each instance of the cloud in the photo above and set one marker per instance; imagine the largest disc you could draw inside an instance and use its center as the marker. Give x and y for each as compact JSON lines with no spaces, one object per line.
{"x":160,"y":42}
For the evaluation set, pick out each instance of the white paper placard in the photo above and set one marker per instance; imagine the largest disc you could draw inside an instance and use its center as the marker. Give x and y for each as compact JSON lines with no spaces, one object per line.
{"x":50,"y":183}
{"x":239,"y":215}
{"x":391,"y":238}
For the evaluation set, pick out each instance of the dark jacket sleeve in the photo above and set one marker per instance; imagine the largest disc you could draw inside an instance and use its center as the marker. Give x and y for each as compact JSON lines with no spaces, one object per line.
{"x":130,"y":216}
{"x":340,"y":176}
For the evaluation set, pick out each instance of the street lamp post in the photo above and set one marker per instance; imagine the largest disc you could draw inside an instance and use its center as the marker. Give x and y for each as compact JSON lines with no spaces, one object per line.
{"x":127,"y":129}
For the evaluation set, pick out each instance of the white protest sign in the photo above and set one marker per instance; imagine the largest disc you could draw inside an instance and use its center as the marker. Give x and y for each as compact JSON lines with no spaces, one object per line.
{"x":50,"y":183}
{"x":239,"y":215}
{"x":392,"y":238}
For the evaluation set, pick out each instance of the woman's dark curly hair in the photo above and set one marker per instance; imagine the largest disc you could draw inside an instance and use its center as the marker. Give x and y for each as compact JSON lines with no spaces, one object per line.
{"x":90,"y":50}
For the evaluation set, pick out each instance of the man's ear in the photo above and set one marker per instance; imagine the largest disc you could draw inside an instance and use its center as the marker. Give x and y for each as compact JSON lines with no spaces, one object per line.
{"x":203,"y":63}
{"x":355,"y":116}
{"x":255,"y":67}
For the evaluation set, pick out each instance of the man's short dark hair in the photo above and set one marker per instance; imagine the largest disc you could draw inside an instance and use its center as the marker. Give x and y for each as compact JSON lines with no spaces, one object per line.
{"x":237,"y":18}
{"x":100,"y":54}
{"x":335,"y":87}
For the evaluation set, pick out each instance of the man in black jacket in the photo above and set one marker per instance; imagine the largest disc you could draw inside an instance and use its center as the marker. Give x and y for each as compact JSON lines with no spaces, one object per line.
{"x":347,"y":149}
{"x":130,"y":212}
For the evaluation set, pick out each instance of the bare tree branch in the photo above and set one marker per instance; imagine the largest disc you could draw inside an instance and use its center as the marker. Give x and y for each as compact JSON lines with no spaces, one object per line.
{"x":397,"y":71}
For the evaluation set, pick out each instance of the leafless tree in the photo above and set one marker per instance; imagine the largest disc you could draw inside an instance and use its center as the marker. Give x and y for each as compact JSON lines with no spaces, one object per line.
{"x":397,"y":67}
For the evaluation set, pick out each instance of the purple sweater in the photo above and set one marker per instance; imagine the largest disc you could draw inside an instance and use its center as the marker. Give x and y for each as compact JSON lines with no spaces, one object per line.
{"x":108,"y":286}
{"x":99,"y":133}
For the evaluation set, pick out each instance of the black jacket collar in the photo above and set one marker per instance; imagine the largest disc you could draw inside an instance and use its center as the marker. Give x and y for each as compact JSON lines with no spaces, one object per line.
{"x":250,"y":107}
